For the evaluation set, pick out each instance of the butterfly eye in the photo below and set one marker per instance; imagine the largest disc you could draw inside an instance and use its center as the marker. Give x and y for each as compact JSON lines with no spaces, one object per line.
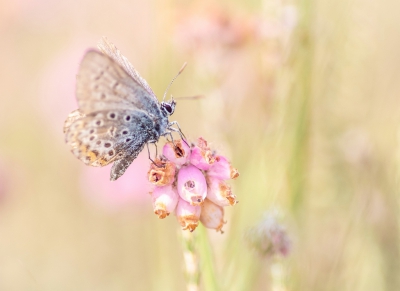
{"x":168,"y":108}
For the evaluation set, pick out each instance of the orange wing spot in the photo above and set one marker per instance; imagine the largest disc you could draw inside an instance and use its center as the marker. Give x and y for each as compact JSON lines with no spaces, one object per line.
{"x":103,"y":162}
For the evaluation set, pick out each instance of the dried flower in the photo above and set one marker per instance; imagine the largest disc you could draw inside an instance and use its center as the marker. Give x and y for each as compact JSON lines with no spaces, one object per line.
{"x":184,"y":177}
{"x":161,"y":172}
{"x":188,"y":215}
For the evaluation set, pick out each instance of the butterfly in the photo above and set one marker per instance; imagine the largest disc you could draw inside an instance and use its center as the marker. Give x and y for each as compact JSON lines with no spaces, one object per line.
{"x":118,"y":112}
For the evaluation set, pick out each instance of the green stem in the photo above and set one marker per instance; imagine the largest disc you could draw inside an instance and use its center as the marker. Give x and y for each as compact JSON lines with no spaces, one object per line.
{"x":190,"y":259}
{"x":207,"y":261}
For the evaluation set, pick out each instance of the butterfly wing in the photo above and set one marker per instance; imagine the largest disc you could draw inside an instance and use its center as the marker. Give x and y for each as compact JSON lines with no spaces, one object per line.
{"x":102,"y":84}
{"x":109,"y":49}
{"x":100,"y":138}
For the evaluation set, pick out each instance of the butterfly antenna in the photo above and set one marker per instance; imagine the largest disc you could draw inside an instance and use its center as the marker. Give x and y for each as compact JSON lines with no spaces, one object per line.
{"x":195,"y":97}
{"x":180,"y":71}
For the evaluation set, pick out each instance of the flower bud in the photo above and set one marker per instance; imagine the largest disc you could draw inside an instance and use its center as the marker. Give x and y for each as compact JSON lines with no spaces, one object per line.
{"x":212,"y":215}
{"x":178,"y":153}
{"x":222,"y":169}
{"x":192,"y":186}
{"x":161,"y":174}
{"x":165,"y":200}
{"x":220,"y":193}
{"x":188,"y":215}
{"x":201,"y":156}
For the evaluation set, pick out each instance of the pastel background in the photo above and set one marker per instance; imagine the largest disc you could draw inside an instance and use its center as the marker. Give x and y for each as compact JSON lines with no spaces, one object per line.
{"x":302,"y":96}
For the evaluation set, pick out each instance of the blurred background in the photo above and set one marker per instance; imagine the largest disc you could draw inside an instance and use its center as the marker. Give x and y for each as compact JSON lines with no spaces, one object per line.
{"x":302,"y":96}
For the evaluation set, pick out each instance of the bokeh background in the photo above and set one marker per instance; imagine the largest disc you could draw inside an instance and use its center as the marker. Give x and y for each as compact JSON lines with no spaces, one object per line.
{"x":303,"y":96}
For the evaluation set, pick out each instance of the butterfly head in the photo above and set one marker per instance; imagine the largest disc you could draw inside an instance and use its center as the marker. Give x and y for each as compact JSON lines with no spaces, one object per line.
{"x":168,"y":107}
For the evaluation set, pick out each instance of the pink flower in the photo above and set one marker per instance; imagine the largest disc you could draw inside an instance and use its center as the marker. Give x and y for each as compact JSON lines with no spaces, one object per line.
{"x":192,"y":186}
{"x":165,"y":200}
{"x":201,"y":156}
{"x":212,"y":215}
{"x":220,"y":193}
{"x":188,"y":215}
{"x":178,"y":153}
{"x":222,"y":169}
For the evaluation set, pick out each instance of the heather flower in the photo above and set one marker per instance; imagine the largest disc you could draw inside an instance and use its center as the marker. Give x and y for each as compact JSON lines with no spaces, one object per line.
{"x":201,"y":155}
{"x":222,"y":169}
{"x":188,"y":215}
{"x":192,"y":181}
{"x":165,"y":200}
{"x":161,"y":172}
{"x":192,"y":186}
{"x":177,"y":152}
{"x":220,"y":193}
{"x":212,"y":215}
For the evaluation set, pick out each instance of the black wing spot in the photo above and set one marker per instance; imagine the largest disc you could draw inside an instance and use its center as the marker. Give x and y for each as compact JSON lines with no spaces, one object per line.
{"x":125,"y":132}
{"x":107,"y":144}
{"x":128,"y":117}
{"x":128,"y":140}
{"x":91,"y":138}
{"x":111,"y":153}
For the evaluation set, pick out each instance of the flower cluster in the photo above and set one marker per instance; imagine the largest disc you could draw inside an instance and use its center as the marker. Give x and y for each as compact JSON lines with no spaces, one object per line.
{"x":191,"y":181}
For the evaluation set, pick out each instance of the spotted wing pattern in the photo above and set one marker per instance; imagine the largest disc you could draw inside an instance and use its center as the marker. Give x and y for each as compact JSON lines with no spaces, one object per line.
{"x":106,"y":136}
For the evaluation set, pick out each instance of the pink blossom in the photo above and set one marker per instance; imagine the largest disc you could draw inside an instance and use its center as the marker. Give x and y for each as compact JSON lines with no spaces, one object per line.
{"x":220,"y":193}
{"x":177,"y":152}
{"x":192,"y":186}
{"x":165,"y":200}
{"x":188,"y":215}
{"x":202,"y":157}
{"x":222,"y":169}
{"x":212,"y":215}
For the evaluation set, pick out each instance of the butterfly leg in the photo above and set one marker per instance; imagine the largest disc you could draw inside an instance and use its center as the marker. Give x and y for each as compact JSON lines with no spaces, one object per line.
{"x":148,"y":151}
{"x":183,"y":137}
{"x":169,"y":133}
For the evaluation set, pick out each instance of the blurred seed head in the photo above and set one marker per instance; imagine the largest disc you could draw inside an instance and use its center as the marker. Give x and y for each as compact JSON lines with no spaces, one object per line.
{"x":269,"y":238}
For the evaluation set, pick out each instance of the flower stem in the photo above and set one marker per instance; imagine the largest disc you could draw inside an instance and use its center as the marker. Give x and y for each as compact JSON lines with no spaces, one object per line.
{"x":207,"y":261}
{"x":191,"y":260}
